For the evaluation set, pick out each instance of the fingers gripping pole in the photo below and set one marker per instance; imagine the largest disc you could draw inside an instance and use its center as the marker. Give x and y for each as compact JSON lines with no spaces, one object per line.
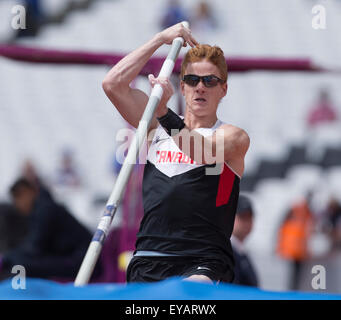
{"x":96,"y":244}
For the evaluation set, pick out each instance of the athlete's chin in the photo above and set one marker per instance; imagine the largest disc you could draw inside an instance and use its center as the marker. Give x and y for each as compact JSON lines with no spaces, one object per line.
{"x":200,"y":110}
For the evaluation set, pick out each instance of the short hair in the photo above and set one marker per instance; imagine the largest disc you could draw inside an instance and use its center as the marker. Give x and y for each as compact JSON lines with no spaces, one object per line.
{"x":19,"y":184}
{"x":206,"y":52}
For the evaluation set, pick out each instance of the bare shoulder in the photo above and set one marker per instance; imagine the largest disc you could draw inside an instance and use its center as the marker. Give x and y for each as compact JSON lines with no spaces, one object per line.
{"x":229,"y":127}
{"x":236,"y":143}
{"x":235,"y":135}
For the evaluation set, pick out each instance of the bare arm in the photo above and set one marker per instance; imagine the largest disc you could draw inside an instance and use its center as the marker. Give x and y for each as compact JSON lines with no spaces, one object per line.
{"x":131,"y":102}
{"x":236,"y":143}
{"x":228,"y":144}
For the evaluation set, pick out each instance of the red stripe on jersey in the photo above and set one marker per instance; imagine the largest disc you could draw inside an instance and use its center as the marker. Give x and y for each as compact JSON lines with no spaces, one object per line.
{"x":226,"y":181}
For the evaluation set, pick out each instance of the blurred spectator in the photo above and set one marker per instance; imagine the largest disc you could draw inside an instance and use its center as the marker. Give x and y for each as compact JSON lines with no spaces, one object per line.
{"x":67,"y":173}
{"x":55,"y":243}
{"x":323,"y":111}
{"x":175,"y":13}
{"x":293,"y":237}
{"x":13,"y":227}
{"x":30,"y":173}
{"x":332,"y":218}
{"x":34,"y":18}
{"x":203,"y":19}
{"x":245,"y":273}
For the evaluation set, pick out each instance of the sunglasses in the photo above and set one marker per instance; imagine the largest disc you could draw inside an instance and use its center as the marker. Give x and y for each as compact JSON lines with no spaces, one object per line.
{"x":208,"y":81}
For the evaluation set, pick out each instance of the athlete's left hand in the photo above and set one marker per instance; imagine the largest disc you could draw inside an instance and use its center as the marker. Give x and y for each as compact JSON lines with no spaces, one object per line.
{"x":168,"y":91}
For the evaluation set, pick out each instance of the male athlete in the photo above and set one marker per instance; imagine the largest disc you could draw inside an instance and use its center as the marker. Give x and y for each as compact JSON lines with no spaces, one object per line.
{"x":188,"y":213}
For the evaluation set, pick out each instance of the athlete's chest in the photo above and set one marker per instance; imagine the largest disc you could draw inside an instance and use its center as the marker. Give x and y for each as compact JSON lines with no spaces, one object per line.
{"x":167,"y":157}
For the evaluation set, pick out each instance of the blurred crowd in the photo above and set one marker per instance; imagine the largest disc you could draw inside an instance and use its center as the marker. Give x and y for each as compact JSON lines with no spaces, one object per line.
{"x":37,"y":14}
{"x":44,"y":235}
{"x":201,"y":17}
{"x":298,"y":229}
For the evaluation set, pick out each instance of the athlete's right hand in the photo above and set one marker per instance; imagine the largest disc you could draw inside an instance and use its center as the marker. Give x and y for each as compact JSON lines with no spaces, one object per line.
{"x":178,"y":30}
{"x":168,"y":91}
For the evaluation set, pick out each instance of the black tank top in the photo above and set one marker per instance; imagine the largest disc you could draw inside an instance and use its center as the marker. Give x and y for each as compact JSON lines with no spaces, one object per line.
{"x":186,"y":211}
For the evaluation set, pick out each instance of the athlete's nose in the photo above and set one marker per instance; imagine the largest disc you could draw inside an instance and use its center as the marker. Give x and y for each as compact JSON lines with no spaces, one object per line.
{"x":200,"y":87}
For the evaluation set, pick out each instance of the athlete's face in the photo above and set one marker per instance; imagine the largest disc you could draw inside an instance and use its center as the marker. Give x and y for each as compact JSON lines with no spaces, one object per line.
{"x":201,"y":100}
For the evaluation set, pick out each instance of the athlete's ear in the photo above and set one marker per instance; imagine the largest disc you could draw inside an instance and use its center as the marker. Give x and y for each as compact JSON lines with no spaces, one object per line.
{"x":224,"y":87}
{"x":182,"y":87}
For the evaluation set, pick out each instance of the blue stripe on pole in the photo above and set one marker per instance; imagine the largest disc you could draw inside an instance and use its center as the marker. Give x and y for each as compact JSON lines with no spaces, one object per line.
{"x":108,"y":210}
{"x":99,"y":236}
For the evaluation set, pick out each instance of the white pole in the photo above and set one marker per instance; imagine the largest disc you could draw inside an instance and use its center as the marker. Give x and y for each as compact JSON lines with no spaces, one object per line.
{"x":96,"y":244}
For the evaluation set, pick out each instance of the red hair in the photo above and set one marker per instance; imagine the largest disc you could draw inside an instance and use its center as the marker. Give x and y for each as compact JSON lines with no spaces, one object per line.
{"x":206,"y":52}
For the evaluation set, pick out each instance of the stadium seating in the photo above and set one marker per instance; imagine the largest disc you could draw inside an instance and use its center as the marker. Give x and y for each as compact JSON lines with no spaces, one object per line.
{"x":45,"y":108}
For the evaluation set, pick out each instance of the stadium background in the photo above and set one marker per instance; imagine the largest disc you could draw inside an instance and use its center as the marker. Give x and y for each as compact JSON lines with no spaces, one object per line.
{"x":47,"y":108}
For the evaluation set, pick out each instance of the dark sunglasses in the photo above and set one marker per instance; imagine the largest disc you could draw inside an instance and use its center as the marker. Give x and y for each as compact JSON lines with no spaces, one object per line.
{"x":208,"y":81}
